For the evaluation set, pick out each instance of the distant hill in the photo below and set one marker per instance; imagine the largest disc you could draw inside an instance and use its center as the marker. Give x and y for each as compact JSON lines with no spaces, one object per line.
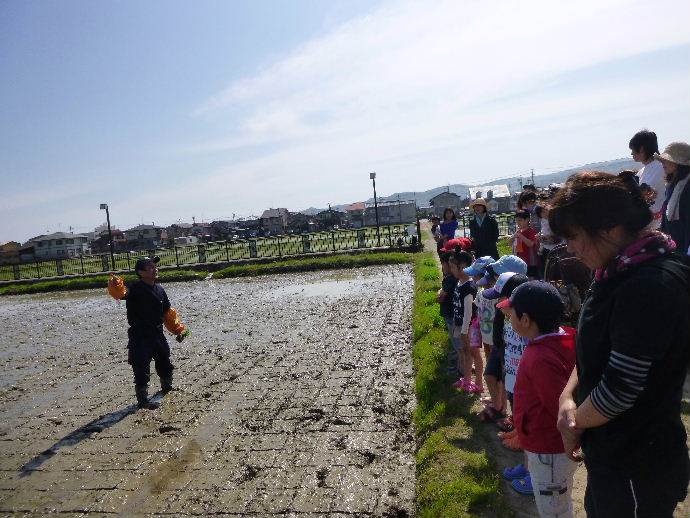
{"x":513,"y":182}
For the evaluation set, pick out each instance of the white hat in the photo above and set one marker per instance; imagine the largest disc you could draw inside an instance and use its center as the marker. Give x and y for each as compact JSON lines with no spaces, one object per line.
{"x":676,"y":152}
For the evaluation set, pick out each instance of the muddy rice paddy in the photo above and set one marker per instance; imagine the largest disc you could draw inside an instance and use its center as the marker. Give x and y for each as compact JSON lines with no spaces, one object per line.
{"x":294,"y":399}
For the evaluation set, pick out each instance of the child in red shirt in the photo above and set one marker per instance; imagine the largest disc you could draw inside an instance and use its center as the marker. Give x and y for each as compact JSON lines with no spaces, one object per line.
{"x":535,"y":310}
{"x":526,"y":243}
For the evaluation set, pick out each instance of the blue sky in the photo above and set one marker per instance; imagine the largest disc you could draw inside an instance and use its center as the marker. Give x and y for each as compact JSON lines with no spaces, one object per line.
{"x":168,"y":110}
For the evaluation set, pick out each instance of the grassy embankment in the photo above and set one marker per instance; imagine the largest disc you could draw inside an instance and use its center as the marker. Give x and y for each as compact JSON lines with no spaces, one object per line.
{"x":244,"y":270}
{"x":455,"y":477}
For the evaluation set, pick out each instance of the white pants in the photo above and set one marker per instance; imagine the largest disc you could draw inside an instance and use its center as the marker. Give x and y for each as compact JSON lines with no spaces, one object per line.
{"x":552,"y":480}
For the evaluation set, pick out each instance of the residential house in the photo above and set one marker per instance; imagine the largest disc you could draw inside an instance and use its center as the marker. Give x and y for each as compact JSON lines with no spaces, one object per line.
{"x":299,"y":222}
{"x":60,"y":245}
{"x":145,"y":237}
{"x":390,"y":212}
{"x":202,"y":231}
{"x":327,"y":219}
{"x":445,"y":200}
{"x":498,"y":198}
{"x":177,"y":230}
{"x":186,"y":240}
{"x":355,"y":214}
{"x":275,"y":221}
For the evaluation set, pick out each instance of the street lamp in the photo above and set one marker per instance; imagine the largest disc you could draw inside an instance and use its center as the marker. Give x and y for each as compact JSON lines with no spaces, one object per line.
{"x":104,"y":206}
{"x":376,"y":208}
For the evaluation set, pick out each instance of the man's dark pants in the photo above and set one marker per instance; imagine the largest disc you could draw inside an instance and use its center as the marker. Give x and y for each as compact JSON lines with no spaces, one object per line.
{"x":143,"y":349}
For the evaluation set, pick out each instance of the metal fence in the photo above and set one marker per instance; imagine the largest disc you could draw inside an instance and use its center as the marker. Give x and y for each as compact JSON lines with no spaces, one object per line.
{"x":220,"y":251}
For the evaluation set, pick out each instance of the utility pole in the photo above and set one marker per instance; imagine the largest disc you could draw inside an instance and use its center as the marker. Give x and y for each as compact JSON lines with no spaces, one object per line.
{"x":104,"y":206}
{"x":376,"y":209}
{"x":533,"y":177}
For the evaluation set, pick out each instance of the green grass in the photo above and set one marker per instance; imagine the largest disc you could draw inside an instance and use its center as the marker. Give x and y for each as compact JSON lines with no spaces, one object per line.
{"x":504,"y":247}
{"x":314,"y":263}
{"x":455,"y":477}
{"x":97,"y":281}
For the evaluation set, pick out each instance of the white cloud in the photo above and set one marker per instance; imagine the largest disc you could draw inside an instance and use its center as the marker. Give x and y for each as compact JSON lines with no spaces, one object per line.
{"x":414,"y":87}
{"x":428,"y":93}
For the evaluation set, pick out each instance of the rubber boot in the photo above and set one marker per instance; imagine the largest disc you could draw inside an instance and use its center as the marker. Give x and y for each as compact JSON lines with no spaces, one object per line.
{"x":142,"y":392}
{"x":166,"y":384}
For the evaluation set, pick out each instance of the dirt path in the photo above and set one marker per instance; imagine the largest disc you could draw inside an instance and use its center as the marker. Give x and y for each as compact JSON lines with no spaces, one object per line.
{"x":295,"y":395}
{"x":522,"y":506}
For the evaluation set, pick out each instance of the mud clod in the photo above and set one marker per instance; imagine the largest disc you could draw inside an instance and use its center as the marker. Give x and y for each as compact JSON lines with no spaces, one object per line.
{"x":248,"y":472}
{"x":321,"y":475}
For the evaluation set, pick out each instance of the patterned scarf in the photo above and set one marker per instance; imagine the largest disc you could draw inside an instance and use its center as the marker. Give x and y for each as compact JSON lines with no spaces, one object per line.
{"x":649,"y":246}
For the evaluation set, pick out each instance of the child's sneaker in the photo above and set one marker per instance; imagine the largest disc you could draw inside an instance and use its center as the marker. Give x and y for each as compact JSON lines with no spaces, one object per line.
{"x":460,"y":384}
{"x":518,"y":471}
{"x":472,"y":388}
{"x":523,"y":485}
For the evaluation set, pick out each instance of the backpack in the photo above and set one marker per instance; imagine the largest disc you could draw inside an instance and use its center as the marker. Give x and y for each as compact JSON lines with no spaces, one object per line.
{"x":571,"y":277}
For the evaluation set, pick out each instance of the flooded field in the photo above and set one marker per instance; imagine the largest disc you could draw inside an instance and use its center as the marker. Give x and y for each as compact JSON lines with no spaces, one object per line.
{"x":294,"y":399}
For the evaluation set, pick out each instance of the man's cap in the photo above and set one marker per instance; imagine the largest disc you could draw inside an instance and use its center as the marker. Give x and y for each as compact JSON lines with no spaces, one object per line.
{"x":463,"y":242}
{"x":507,"y":263}
{"x":535,"y":298}
{"x":143,"y":262}
{"x":479,"y":265}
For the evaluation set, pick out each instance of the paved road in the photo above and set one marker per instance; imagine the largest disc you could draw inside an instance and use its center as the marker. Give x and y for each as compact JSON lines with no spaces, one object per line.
{"x":294,"y":399}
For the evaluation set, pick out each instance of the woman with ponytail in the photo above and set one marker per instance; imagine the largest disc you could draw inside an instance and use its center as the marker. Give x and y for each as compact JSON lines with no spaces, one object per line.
{"x":621,"y":405}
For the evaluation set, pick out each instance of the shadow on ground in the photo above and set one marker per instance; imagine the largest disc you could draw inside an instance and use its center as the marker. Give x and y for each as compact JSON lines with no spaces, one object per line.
{"x":84,"y":432}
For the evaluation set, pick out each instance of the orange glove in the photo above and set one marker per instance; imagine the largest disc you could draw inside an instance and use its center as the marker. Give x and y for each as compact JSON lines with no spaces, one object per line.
{"x":172,"y":322}
{"x":116,"y":287}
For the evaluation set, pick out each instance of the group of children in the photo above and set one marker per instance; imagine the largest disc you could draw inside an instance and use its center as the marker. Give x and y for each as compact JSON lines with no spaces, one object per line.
{"x":492,"y":307}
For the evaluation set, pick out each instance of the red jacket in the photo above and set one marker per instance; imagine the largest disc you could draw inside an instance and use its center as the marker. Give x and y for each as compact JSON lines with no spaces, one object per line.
{"x":544,"y":370}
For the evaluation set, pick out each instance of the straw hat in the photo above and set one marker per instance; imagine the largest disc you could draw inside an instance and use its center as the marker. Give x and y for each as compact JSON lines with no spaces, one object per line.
{"x":676,"y":152}
{"x":478,"y":201}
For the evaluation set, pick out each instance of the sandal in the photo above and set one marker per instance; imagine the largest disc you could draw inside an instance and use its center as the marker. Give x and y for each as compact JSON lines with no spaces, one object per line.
{"x":460,"y":384}
{"x":471,"y":388}
{"x":523,"y":485}
{"x":519,"y":471}
{"x":490,"y":415}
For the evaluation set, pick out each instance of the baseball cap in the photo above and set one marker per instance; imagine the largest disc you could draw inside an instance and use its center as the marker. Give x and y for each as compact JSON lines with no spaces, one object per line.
{"x":507,"y":263}
{"x":142,"y":262}
{"x":479,"y":265}
{"x":462,"y":242}
{"x":535,"y":298}
{"x":495,"y":292}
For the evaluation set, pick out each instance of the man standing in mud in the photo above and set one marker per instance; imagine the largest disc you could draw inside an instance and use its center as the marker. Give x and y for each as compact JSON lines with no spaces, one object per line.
{"x":147,"y":303}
